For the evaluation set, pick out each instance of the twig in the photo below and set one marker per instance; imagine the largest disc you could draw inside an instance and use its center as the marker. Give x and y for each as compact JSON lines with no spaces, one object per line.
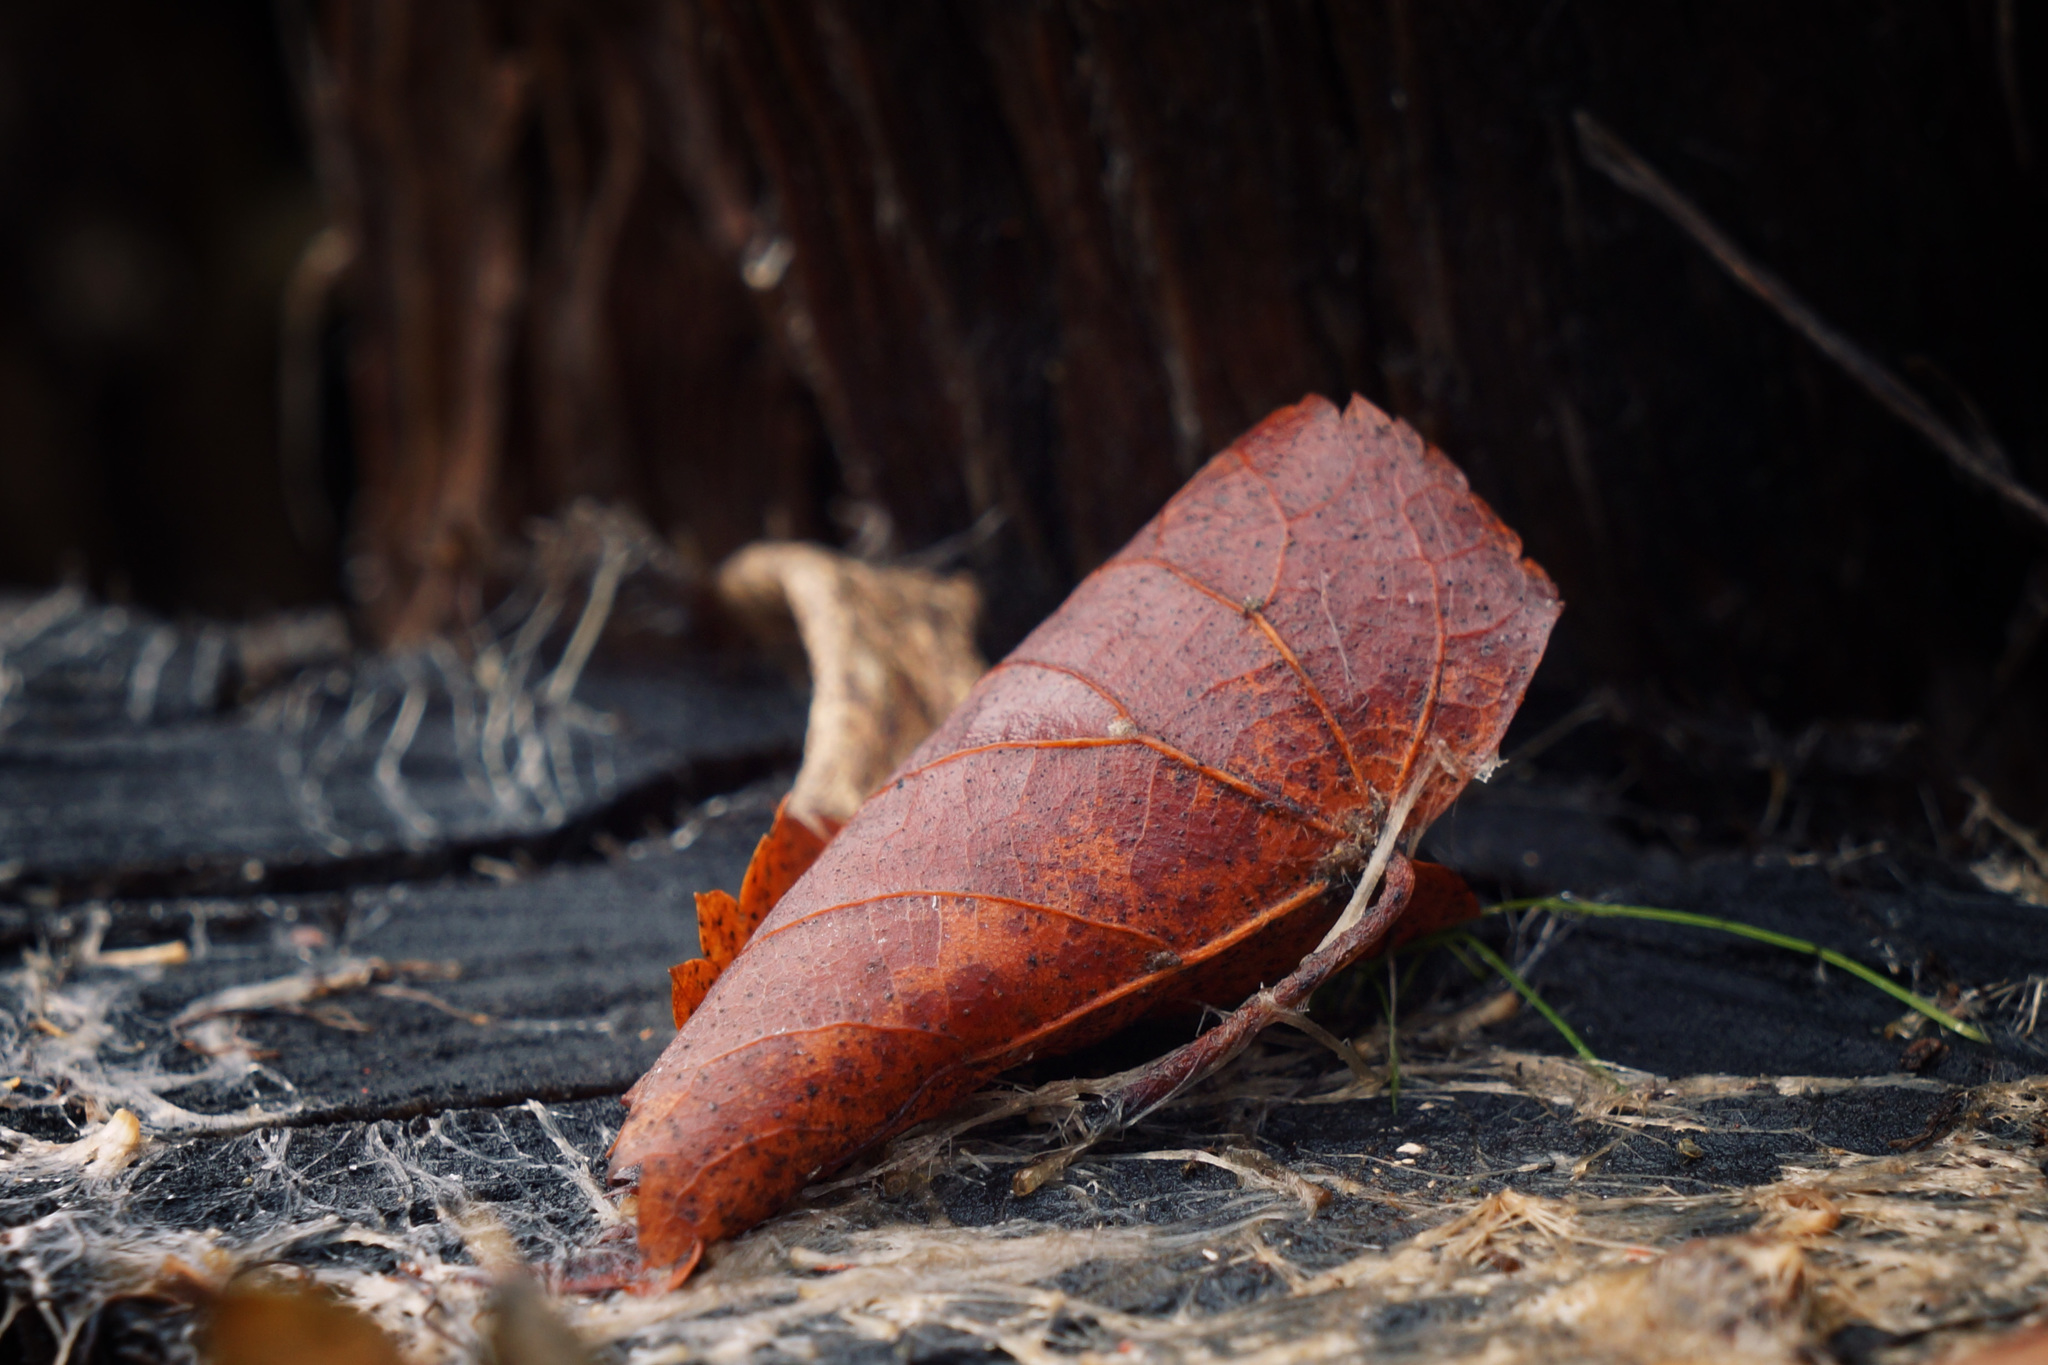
{"x":1346,"y":1053}
{"x":1382,"y":853}
{"x":1250,"y":1166}
{"x":1982,"y":460}
{"x":2009,"y":81}
{"x":1600,"y":704}
{"x":1984,"y":810}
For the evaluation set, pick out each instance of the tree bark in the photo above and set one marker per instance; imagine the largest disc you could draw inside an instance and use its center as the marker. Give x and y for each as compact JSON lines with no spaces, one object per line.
{"x":919,"y":269}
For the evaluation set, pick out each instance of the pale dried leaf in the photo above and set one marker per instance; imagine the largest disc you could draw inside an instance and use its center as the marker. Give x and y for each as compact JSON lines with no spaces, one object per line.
{"x":891,"y":653}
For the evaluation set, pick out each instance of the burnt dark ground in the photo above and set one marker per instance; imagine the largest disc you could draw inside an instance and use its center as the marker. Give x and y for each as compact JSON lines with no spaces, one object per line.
{"x":530,"y":991}
{"x":127,"y":769}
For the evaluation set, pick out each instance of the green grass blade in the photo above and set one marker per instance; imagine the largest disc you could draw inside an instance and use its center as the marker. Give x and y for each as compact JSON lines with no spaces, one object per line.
{"x":1603,"y":910}
{"x":1538,"y":1003}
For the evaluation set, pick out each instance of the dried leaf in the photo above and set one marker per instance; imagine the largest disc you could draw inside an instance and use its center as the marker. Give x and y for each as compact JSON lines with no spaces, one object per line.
{"x":891,"y":653}
{"x":1162,"y":798}
{"x":2026,"y":1347}
{"x":270,"y":1325}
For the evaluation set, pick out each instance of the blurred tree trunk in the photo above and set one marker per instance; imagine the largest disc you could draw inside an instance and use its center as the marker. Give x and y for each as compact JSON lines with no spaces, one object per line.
{"x":1008,"y":270}
{"x":536,"y":315}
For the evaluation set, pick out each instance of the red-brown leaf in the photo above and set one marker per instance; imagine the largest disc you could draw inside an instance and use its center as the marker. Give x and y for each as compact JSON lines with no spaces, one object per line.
{"x":724,"y":924}
{"x":1148,"y":803}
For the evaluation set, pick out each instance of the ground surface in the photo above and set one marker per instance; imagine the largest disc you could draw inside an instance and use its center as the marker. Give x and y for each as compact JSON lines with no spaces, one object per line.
{"x":362,"y":1024}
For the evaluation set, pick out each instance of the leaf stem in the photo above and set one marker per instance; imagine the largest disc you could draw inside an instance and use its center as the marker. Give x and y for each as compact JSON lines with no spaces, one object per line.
{"x":1565,"y":905}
